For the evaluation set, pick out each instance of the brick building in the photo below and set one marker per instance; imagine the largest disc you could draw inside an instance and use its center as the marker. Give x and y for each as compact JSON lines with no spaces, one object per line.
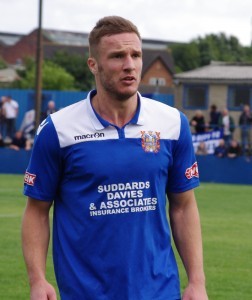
{"x":158,"y":66}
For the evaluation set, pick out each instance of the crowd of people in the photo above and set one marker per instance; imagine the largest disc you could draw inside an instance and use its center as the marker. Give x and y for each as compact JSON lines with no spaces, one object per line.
{"x":222,"y":121}
{"x":22,"y":137}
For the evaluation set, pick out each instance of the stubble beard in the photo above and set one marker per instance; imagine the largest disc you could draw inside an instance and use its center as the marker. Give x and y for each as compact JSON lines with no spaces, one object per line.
{"x":110,"y":87}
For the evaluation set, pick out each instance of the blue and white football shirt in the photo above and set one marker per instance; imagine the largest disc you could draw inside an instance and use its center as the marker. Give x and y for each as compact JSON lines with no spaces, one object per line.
{"x":111,"y":237}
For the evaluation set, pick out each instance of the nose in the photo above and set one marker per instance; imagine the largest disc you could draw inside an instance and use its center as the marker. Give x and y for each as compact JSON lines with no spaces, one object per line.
{"x":128,"y":63}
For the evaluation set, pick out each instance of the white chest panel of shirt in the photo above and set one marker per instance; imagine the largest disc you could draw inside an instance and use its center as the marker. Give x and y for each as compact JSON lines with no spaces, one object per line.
{"x":79,"y":123}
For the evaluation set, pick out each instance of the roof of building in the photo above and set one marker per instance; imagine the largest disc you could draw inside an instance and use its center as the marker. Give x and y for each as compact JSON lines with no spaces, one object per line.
{"x":9,"y":39}
{"x":49,"y":50}
{"x":66,"y":37}
{"x":157,"y":44}
{"x":218,"y":71}
{"x":151,"y":55}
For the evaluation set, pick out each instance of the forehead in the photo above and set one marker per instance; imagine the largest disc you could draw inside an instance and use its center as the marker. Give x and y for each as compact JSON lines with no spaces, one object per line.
{"x":120,"y":41}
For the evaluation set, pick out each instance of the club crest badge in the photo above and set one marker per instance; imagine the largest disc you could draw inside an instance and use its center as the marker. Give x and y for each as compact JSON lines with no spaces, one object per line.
{"x":150,"y":141}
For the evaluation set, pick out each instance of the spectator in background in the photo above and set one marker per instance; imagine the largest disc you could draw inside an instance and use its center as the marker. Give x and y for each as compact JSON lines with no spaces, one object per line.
{"x":2,"y":100}
{"x":198,"y":122}
{"x":28,"y":124}
{"x":20,"y":142}
{"x":202,"y":150}
{"x":234,"y":149}
{"x":226,"y":123}
{"x":10,"y":112}
{"x":214,"y":115}
{"x":1,"y":141}
{"x":221,"y":150}
{"x":51,"y":108}
{"x":245,"y":122}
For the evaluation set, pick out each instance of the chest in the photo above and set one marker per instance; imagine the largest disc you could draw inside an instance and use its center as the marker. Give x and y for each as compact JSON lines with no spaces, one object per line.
{"x":119,"y":159}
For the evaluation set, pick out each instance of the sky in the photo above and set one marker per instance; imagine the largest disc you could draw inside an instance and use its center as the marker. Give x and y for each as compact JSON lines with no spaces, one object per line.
{"x":168,"y":20}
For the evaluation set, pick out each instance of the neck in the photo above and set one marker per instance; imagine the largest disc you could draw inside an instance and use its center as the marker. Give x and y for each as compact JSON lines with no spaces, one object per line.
{"x":115,"y":111}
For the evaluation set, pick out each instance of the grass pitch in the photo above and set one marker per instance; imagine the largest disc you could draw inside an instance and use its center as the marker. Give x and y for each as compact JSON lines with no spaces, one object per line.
{"x":13,"y":278}
{"x":226,"y":217}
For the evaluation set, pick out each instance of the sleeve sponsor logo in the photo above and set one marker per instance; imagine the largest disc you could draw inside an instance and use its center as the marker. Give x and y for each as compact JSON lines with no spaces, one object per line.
{"x":192,"y":171}
{"x":29,"y":178}
{"x":150,"y":141}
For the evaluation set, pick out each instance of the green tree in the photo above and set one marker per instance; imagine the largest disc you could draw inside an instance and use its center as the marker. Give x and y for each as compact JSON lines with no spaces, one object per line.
{"x":248,"y":53}
{"x":54,"y":77}
{"x":201,"y":51}
{"x":186,"y":56}
{"x":3,"y":65}
{"x":76,"y":65}
{"x":220,"y":47}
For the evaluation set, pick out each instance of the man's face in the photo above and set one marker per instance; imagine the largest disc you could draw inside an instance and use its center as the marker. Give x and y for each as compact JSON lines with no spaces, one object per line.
{"x":246,"y":109}
{"x":119,"y":65}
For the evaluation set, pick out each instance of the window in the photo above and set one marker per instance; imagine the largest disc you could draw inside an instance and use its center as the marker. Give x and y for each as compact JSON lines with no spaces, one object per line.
{"x":195,"y":96}
{"x":157,"y":81}
{"x":238,"y":96}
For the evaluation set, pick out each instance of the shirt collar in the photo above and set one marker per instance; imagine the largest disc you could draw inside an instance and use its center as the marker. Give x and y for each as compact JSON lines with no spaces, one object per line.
{"x":99,"y":123}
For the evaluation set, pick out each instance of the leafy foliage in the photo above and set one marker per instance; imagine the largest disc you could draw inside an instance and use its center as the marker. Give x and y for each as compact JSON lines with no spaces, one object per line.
{"x":63,"y":72}
{"x":76,"y":65}
{"x":3,"y":65}
{"x":186,"y":56}
{"x":201,"y":51}
{"x":54,"y":77}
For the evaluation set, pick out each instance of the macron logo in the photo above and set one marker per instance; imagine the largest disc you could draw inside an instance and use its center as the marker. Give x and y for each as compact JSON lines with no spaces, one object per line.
{"x":29,"y":178}
{"x":41,"y":126}
{"x":95,"y":135}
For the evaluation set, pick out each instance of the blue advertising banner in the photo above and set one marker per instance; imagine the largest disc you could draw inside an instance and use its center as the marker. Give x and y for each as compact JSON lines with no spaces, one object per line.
{"x":211,"y":140}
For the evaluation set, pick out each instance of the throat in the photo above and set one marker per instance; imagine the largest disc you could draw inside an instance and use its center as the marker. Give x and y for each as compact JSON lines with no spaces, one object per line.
{"x":118,"y":114}
{"x":116,"y":118}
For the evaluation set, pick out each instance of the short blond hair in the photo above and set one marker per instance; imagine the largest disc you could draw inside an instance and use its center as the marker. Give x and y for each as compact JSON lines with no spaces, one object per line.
{"x":109,"y":26}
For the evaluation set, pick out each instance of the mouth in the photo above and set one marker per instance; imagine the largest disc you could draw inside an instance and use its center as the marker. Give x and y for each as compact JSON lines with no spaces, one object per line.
{"x":129,"y":79}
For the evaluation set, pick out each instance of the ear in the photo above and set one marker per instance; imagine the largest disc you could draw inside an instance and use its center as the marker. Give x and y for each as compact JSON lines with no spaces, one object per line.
{"x":92,"y":64}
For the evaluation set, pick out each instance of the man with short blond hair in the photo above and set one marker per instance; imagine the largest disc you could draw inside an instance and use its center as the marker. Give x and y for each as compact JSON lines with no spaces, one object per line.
{"x":108,"y":167}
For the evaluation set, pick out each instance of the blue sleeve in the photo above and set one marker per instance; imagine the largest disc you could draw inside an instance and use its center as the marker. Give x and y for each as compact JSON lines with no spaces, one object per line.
{"x":183,"y":174}
{"x":44,"y":169}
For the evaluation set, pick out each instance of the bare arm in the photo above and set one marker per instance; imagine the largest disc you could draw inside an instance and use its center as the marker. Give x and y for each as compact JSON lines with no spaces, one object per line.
{"x":35,"y":241}
{"x":185,"y":224}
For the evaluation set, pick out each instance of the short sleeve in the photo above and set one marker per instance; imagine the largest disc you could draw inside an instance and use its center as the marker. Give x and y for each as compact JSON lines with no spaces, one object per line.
{"x":43,"y":172}
{"x":183,"y":174}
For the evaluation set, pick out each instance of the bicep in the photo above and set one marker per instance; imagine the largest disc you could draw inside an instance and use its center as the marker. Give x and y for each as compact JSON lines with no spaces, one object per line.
{"x":181,"y":200}
{"x":37,"y":207}
{"x":182,"y":206}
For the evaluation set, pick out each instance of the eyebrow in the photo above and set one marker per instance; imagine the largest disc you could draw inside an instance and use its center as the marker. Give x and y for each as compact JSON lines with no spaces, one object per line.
{"x":139,"y":52}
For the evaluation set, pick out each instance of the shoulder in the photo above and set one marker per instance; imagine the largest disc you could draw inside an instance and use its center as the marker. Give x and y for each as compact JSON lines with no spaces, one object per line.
{"x":72,"y":120}
{"x":163,"y":118}
{"x":69,"y":113}
{"x":161,"y":110}
{"x":14,"y":103}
